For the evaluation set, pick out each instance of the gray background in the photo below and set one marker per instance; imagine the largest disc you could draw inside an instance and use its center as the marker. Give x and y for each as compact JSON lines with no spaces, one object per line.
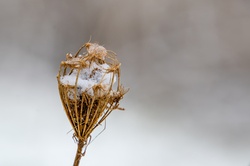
{"x":186,"y":63}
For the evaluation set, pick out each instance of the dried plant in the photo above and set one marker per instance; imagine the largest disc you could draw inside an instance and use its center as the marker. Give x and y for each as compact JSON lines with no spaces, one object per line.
{"x":90,"y":89}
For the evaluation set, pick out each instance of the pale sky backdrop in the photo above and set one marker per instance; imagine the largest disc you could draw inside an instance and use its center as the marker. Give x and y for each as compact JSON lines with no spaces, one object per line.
{"x":187,"y":63}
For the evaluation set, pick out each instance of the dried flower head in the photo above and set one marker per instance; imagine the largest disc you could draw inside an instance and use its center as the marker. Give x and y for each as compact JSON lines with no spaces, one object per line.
{"x":90,"y":89}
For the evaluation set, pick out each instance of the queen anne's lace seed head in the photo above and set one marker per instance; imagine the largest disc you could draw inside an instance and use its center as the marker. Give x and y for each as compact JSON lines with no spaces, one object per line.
{"x":90,"y":89}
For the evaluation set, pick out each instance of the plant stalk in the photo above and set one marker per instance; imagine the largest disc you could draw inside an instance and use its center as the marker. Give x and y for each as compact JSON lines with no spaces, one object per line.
{"x":79,"y":154}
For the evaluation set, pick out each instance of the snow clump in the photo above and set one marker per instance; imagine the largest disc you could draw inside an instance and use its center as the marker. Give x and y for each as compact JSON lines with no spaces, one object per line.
{"x":89,"y":77}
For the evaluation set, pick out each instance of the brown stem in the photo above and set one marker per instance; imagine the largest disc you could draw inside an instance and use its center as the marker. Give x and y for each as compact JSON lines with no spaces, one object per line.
{"x":79,"y":152}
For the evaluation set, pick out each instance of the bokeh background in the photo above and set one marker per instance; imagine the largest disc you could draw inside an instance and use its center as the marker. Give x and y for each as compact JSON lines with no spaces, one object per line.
{"x":187,"y":64}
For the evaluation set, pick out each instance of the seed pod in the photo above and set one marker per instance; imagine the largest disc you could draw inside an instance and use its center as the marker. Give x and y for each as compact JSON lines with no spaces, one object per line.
{"x":90,"y":89}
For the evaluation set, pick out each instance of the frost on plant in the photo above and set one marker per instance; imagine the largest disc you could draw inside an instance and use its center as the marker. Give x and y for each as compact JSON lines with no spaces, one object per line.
{"x":90,"y":89}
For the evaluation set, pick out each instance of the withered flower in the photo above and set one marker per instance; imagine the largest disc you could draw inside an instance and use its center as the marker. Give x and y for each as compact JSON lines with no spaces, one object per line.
{"x":90,"y":89}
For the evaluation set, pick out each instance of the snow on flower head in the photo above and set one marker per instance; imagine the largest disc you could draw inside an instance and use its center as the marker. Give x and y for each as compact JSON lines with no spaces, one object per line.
{"x":91,"y":76}
{"x":93,"y":73}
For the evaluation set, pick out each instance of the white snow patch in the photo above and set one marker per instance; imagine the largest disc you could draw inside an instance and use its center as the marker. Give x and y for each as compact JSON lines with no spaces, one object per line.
{"x":95,"y":74}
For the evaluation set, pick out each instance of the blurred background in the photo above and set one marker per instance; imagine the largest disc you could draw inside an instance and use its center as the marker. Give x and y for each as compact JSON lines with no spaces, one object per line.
{"x":186,"y":63}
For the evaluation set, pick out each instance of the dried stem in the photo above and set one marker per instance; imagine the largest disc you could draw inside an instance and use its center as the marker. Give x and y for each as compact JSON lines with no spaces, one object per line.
{"x":79,"y":154}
